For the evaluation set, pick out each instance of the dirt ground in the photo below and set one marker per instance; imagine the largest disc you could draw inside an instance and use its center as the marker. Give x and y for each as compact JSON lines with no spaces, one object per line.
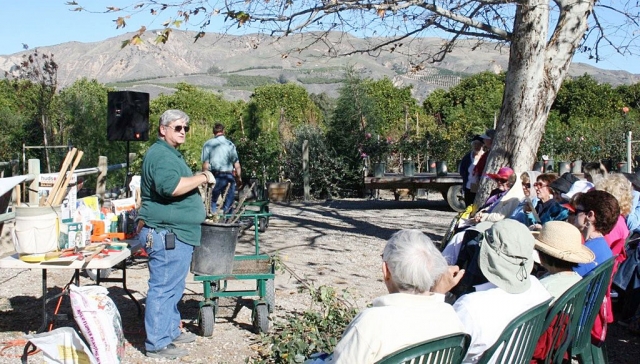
{"x":335,"y":243}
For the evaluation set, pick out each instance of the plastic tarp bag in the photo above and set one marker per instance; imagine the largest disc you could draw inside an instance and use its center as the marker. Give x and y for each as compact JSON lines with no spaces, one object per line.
{"x":62,"y":346}
{"x":99,"y":321}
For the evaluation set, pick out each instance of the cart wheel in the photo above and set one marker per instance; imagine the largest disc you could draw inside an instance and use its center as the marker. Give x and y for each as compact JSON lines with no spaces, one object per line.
{"x":262,"y":224}
{"x":261,"y":318}
{"x":206,"y":319}
{"x":270,"y":297}
{"x":93,"y":273}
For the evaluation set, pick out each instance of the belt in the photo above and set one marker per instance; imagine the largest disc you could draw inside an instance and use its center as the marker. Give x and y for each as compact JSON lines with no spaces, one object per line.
{"x":221,"y":172}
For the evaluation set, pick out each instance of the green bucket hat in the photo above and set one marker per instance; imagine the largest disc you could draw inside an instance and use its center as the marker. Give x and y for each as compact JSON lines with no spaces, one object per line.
{"x":506,"y":255}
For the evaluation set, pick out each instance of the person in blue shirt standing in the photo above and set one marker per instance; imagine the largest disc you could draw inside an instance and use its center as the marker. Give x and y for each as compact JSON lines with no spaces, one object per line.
{"x":219,"y":156}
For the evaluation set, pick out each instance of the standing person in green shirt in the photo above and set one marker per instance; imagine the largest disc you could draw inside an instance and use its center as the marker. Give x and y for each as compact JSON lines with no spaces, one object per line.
{"x":219,"y":156}
{"x":170,"y":217}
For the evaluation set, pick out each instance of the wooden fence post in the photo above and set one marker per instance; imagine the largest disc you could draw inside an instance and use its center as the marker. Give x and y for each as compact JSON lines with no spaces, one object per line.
{"x":34,"y":169}
{"x":101,"y":186}
{"x":305,"y":170}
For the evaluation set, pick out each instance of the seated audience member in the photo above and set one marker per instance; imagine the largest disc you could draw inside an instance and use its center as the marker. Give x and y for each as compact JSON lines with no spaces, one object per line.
{"x":594,"y":172}
{"x":620,"y":187}
{"x":563,"y":185}
{"x":410,"y":313}
{"x":501,"y":204}
{"x":596,"y":214}
{"x":548,"y":209}
{"x":559,"y":246}
{"x":498,"y":207}
{"x":633,"y":219}
{"x":530,"y":200}
{"x":627,"y":279}
{"x":579,"y":186}
{"x":506,"y":260}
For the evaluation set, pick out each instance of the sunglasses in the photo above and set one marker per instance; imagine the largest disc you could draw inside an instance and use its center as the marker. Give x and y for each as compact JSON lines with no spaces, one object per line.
{"x":179,"y":128}
{"x":539,"y":185}
{"x":576,"y":212}
{"x":502,"y":180}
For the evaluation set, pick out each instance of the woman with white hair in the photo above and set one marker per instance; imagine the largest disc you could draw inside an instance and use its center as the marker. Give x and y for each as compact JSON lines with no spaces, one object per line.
{"x":410,"y":313}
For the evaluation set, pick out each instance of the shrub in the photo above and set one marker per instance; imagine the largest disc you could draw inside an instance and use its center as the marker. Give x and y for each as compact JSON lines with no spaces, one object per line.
{"x":315,"y":330}
{"x":324,"y":165}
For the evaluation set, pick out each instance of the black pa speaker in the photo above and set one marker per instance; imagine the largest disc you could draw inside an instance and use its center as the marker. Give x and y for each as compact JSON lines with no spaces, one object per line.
{"x":127,"y":116}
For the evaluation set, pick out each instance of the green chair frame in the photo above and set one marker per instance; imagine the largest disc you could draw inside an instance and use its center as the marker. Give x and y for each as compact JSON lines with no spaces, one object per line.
{"x":449,"y":349}
{"x":598,"y":282}
{"x":519,"y":338}
{"x":562,"y":320}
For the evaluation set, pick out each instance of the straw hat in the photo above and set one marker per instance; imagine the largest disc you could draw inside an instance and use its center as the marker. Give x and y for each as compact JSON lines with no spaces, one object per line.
{"x":562,"y":240}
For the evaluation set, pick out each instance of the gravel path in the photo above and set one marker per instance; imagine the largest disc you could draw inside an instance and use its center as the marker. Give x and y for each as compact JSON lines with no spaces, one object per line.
{"x":335,"y":243}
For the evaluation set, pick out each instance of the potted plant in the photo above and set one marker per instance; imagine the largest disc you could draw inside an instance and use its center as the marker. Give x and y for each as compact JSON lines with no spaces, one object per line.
{"x":409,"y":151}
{"x":376,"y":149}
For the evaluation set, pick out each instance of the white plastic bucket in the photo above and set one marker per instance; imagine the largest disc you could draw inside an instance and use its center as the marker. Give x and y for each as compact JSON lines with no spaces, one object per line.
{"x":36,"y":229}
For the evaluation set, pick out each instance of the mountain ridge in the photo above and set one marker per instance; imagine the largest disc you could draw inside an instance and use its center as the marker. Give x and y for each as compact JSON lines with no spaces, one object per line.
{"x":210,"y":61}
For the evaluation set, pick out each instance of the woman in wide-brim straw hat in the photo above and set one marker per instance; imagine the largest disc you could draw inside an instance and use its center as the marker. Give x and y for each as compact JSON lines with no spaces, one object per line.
{"x":559,"y":246}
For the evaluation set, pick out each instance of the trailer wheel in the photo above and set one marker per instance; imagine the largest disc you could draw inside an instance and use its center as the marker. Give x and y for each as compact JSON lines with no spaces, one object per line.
{"x":455,"y":198}
{"x":206,"y":320}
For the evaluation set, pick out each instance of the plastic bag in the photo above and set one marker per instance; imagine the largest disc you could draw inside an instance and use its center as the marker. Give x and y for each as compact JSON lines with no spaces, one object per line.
{"x":63,"y":346}
{"x":99,"y":321}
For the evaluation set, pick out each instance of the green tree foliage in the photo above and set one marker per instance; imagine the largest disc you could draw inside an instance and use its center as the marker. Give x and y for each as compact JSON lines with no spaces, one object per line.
{"x":630,"y":95}
{"x":587,"y":121}
{"x":325,"y":103}
{"x":584,"y":97}
{"x":466,"y":109}
{"x":324,"y":167}
{"x":273,"y":114}
{"x":355,"y":109}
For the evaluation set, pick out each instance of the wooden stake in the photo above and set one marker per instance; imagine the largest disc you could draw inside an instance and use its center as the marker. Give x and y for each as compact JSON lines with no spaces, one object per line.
{"x":63,"y":189}
{"x":61,"y":174}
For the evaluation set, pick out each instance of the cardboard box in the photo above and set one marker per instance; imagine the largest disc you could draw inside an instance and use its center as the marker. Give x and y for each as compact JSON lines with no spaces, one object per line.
{"x":47,"y":181}
{"x":74,"y":234}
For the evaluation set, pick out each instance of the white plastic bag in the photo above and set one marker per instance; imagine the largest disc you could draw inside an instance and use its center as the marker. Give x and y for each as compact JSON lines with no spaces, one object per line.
{"x":62,"y":346}
{"x":100,"y":323}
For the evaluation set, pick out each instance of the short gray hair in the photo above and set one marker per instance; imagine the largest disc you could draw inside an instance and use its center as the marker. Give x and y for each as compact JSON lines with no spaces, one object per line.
{"x":414,"y":262}
{"x":172,"y":115}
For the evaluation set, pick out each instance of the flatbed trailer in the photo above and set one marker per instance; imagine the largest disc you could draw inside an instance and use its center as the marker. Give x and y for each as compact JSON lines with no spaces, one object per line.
{"x":449,"y":185}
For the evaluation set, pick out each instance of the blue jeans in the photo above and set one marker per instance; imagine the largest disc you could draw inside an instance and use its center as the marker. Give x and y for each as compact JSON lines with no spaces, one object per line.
{"x":222,"y":180}
{"x":168,"y":271}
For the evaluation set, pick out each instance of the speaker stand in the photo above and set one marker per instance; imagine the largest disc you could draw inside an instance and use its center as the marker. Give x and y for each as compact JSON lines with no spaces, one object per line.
{"x":127,"y":177}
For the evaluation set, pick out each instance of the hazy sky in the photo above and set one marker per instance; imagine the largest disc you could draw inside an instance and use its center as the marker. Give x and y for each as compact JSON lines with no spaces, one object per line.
{"x":40,"y":23}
